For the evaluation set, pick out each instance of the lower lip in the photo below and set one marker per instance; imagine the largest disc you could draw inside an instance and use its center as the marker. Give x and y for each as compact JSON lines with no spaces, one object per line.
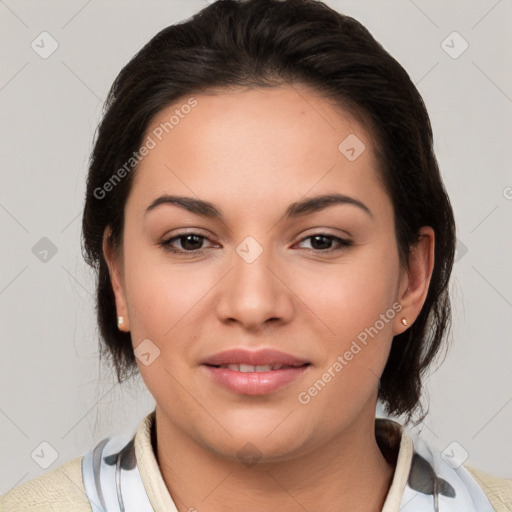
{"x":255,"y":383}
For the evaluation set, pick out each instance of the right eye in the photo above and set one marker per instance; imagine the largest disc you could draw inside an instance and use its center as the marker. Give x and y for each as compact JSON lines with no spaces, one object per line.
{"x":190,"y":243}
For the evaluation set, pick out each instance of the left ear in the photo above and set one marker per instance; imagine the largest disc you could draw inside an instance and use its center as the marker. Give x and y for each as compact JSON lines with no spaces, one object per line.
{"x":415,"y":280}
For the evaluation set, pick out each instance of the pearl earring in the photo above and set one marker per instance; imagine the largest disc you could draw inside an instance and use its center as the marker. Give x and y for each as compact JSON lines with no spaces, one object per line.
{"x":405,"y":322}
{"x":120,"y":321}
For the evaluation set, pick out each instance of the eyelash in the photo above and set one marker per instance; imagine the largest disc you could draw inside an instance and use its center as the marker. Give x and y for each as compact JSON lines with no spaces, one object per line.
{"x":166,"y":244}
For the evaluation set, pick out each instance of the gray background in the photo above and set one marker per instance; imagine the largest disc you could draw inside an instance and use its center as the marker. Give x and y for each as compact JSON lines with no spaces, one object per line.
{"x":53,"y":389}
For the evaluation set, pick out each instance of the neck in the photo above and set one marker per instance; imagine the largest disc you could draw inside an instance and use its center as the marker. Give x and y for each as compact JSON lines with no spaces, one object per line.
{"x":349,"y":472}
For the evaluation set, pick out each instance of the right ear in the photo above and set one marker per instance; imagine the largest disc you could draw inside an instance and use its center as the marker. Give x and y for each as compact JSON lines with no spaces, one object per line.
{"x":115,"y":269}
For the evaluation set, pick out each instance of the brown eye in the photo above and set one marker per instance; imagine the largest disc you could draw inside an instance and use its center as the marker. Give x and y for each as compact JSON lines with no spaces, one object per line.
{"x":189,"y":242}
{"x":323,"y":243}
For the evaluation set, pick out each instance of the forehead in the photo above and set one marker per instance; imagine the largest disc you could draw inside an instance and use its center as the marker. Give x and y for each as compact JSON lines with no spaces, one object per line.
{"x":253,"y":144}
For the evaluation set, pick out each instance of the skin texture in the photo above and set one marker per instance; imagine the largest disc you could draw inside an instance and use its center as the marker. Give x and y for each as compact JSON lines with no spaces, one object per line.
{"x":252,"y":152}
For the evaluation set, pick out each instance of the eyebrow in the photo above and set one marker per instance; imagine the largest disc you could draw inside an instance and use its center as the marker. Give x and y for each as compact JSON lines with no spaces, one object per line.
{"x":294,"y":210}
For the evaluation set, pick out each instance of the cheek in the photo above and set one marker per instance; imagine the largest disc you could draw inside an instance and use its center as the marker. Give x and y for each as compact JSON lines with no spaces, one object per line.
{"x":163,"y":302}
{"x":163,"y":296}
{"x":166,"y":300}
{"x":350,"y":296}
{"x":355,"y":302}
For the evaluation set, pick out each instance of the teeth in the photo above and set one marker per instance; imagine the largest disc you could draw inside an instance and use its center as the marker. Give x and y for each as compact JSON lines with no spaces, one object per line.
{"x":247,"y":368}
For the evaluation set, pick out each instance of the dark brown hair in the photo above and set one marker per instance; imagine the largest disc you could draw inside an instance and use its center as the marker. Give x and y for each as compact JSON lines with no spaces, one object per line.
{"x":266,"y":43}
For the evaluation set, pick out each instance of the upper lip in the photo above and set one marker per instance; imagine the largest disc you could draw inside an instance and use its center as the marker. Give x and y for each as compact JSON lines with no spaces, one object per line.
{"x":265,"y":356}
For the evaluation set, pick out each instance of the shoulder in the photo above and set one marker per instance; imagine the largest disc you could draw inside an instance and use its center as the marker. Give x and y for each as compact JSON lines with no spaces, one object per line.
{"x":497,"y":489}
{"x":58,"y":490}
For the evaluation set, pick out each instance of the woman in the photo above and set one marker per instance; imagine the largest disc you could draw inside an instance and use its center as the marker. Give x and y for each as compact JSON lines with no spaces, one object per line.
{"x":273,"y":244}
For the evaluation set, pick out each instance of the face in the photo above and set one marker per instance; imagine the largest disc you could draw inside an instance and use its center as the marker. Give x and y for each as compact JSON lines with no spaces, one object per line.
{"x":254,"y":270}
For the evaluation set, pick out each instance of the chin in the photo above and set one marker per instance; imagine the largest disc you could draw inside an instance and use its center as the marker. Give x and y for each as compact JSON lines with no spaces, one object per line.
{"x":270,"y":439}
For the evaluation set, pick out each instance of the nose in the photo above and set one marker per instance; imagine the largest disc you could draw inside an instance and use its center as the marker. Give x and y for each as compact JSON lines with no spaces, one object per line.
{"x":255,"y":292}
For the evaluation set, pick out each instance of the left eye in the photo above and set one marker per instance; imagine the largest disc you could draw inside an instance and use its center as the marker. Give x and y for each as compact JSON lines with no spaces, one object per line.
{"x":324,"y":242}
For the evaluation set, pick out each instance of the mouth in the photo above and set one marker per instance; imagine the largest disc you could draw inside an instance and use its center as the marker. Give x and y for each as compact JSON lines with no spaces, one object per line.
{"x":257,"y":372}
{"x":250,"y":368}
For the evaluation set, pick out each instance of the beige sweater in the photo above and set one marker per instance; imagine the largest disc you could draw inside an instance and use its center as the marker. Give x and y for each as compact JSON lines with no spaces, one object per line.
{"x":62,"y":489}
